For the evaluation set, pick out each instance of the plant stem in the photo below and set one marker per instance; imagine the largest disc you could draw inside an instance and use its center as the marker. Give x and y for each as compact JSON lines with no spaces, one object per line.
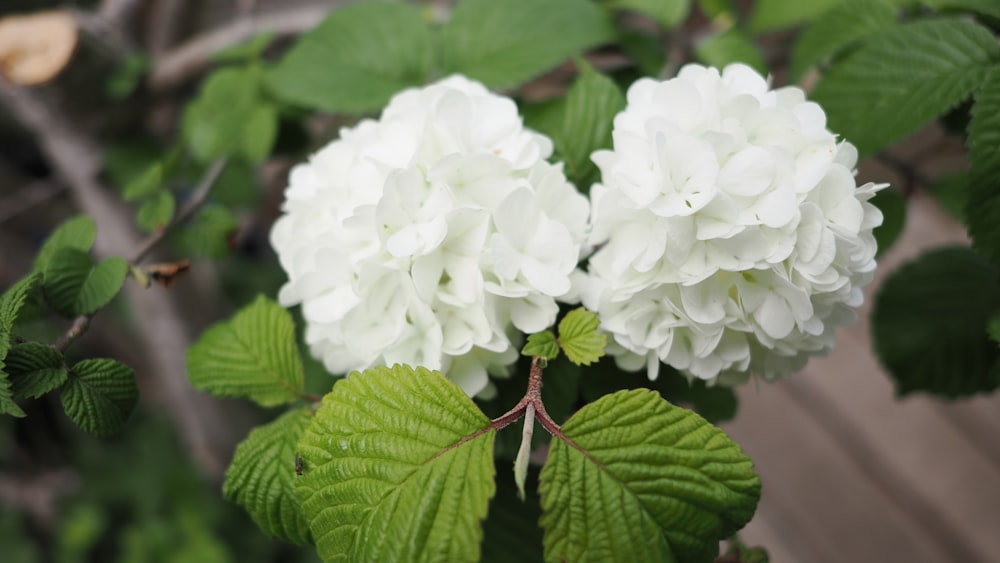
{"x":532,"y":397}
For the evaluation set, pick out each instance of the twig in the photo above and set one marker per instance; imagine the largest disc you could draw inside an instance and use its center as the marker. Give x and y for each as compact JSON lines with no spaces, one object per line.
{"x":194,"y":203}
{"x":179,"y":65}
{"x":81,"y":323}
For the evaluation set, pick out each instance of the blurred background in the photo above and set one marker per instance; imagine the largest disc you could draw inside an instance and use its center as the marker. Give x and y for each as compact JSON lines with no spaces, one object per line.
{"x":850,"y":472}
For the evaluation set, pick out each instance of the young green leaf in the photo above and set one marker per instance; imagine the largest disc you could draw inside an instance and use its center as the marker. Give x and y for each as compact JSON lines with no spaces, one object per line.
{"x":591,"y":105}
{"x":252,"y":355}
{"x":776,"y":14}
{"x":929,"y":324}
{"x":733,"y":45}
{"x":839,"y":28}
{"x":145,"y":184}
{"x":10,"y":305}
{"x":356,"y":59}
{"x":78,"y":232}
{"x":668,"y":13}
{"x":99,"y":395}
{"x":215,"y":124}
{"x":983,"y":205}
{"x":397,"y":465}
{"x":638,"y":479}
{"x":261,"y":477}
{"x":156,"y":212}
{"x":209,"y":232}
{"x":34,"y":369}
{"x":259,"y":133}
{"x":542,"y":344}
{"x":579,"y":338}
{"x":504,"y":44}
{"x":897,"y":82}
{"x":74,"y":285}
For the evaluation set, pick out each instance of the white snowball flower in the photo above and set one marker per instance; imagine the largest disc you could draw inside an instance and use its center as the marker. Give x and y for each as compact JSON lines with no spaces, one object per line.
{"x":430,"y":236}
{"x":732,"y":238}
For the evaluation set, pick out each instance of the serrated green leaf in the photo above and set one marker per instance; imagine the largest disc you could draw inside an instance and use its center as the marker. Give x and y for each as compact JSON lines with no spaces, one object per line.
{"x":252,"y":355}
{"x":397,"y":466}
{"x":776,"y":14}
{"x":34,"y":369}
{"x":145,"y":184}
{"x":733,"y":45}
{"x":156,"y":212}
{"x":259,"y":133}
{"x":10,"y":305}
{"x":356,"y":59}
{"x":579,"y":338}
{"x":983,"y":7}
{"x":592,"y":103}
{"x":892,"y":204}
{"x":78,"y":232}
{"x":929,"y":324}
{"x":839,"y":28}
{"x":208,"y":234}
{"x":504,"y":44}
{"x":983,"y":204}
{"x":100,"y":395}
{"x":74,"y":285}
{"x":643,"y":481}
{"x":7,"y":404}
{"x":668,"y":13}
{"x":261,"y":477}
{"x":542,"y":344}
{"x":900,"y":80}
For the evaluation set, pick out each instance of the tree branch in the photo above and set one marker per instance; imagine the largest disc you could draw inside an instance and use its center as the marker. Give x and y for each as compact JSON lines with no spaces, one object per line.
{"x":178,"y":66}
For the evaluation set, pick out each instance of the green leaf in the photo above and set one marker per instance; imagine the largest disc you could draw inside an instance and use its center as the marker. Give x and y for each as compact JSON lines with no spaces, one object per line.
{"x":983,"y":7}
{"x":542,"y":344}
{"x":839,"y":28}
{"x":35,"y":369}
{"x":208,"y":234}
{"x":892,"y":204}
{"x":397,"y":466}
{"x":74,"y":285}
{"x":645,"y":49}
{"x":902,"y":79}
{"x":250,"y":50}
{"x":731,"y":46}
{"x":983,"y":205}
{"x":776,"y":14}
{"x":504,"y":44}
{"x":237,"y":186}
{"x":356,"y":59}
{"x":78,"y":232}
{"x":643,"y":481}
{"x":145,"y":184}
{"x":7,"y":404}
{"x":261,"y":477}
{"x":99,"y":395}
{"x":155,"y":213}
{"x":10,"y":305}
{"x":260,"y":132}
{"x":929,"y":324}
{"x":252,"y":355}
{"x":591,"y":106}
{"x":215,"y":124}
{"x":668,"y":13}
{"x":579,"y":338}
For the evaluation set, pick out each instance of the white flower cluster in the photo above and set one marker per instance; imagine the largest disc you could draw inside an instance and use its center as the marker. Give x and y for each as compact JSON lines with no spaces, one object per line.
{"x":732,"y":236}
{"x":430,"y":236}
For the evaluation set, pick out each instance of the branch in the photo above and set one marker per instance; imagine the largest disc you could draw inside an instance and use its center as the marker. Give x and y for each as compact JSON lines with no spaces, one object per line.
{"x":178,"y":66}
{"x":82,"y":323}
